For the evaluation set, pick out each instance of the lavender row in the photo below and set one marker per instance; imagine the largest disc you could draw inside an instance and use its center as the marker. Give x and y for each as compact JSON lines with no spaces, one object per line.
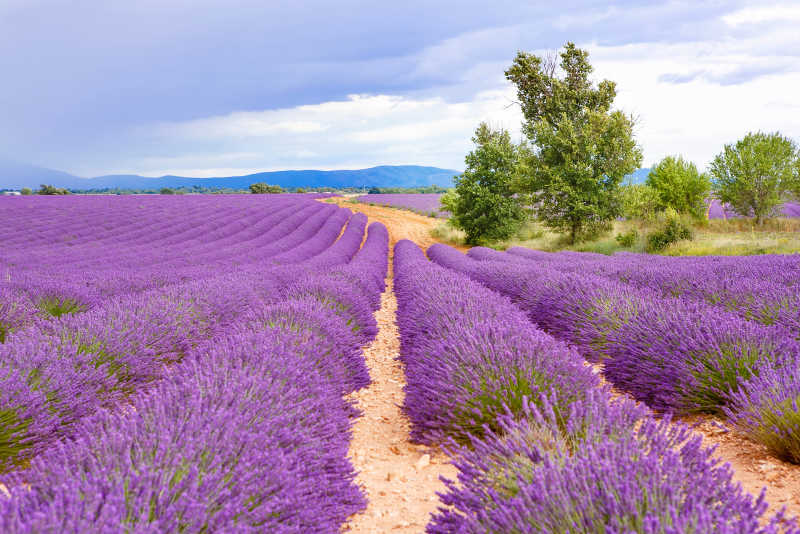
{"x":761,"y":289}
{"x":675,"y":354}
{"x":469,"y":355}
{"x":546,"y":448}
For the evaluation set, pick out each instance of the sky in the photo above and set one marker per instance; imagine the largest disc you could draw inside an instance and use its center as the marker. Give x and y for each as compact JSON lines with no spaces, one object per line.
{"x":215,"y":88}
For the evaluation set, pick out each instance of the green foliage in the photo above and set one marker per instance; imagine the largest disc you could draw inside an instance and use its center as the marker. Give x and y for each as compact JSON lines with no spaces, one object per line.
{"x":672,"y":232}
{"x":627,"y":239}
{"x":639,"y":201}
{"x":407,"y":190}
{"x":488,"y":402}
{"x":26,"y":191}
{"x":756,"y":174}
{"x":260,"y":188}
{"x":12,"y":437}
{"x":678,"y":185}
{"x":166,"y":191}
{"x":45,"y":189}
{"x":484,"y":205}
{"x":449,"y":200}
{"x":57,"y":307}
{"x":583,"y":149}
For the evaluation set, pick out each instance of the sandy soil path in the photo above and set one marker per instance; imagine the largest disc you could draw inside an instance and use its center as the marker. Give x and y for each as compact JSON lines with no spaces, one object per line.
{"x":399,"y":478}
{"x":401,"y":224}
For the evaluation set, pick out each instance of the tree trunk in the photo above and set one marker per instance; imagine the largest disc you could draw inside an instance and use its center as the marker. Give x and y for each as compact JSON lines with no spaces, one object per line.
{"x":574,"y":232}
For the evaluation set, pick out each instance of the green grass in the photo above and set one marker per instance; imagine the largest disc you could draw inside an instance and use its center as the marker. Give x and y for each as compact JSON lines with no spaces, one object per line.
{"x":739,"y":237}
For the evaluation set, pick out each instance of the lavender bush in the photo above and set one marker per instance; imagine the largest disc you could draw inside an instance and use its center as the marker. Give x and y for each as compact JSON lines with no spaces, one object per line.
{"x":675,"y":354}
{"x":470,"y":355}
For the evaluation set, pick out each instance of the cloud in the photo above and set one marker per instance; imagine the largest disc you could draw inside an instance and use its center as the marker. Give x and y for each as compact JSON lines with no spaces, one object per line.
{"x":677,"y":78}
{"x":698,"y":116}
{"x":360,"y":131}
{"x":767,"y":13}
{"x":156,"y":87}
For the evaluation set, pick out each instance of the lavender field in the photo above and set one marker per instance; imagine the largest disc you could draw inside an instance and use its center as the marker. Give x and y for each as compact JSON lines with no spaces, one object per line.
{"x":718,"y":210}
{"x":423,"y":203}
{"x":179,"y":363}
{"x":186,"y":363}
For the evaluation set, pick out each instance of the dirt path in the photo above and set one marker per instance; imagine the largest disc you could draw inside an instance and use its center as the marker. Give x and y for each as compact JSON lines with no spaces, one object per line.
{"x":401,"y":224}
{"x":399,"y":478}
{"x":753,"y":466}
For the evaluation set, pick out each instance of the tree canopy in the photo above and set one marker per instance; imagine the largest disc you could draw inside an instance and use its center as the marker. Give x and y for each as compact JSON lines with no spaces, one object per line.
{"x":581,"y":148}
{"x":757,"y":173}
{"x":45,"y":189}
{"x":261,"y":188}
{"x":484,"y":205}
{"x":678,"y":185}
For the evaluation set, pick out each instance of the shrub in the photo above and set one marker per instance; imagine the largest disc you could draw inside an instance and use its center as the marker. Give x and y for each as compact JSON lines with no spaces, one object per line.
{"x":627,"y":239}
{"x":471,"y":356}
{"x":672,"y":232}
{"x":45,"y":189}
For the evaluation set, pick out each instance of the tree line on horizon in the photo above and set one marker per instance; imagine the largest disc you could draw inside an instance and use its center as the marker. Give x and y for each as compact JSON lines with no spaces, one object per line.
{"x":568,"y":169}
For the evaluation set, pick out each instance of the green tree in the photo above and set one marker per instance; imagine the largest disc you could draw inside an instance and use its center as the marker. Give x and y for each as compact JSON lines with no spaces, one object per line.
{"x":45,"y":189}
{"x":166,"y":191}
{"x":261,"y":188}
{"x":581,"y":148}
{"x":26,"y":191}
{"x":680,"y":186}
{"x":757,"y":174}
{"x":484,"y":205}
{"x":639,"y":201}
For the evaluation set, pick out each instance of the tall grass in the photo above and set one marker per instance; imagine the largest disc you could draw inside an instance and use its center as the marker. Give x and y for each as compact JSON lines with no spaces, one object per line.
{"x":738,"y":237}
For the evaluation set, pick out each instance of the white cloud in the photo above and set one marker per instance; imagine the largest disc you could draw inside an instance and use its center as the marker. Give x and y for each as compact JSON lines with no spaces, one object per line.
{"x":362,"y":131}
{"x":697,"y":116}
{"x":768,"y":13}
{"x":691,"y":97}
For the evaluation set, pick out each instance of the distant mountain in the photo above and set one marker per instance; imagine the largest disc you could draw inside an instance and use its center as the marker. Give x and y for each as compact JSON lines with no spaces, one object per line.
{"x":17,"y":176}
{"x":14,"y":175}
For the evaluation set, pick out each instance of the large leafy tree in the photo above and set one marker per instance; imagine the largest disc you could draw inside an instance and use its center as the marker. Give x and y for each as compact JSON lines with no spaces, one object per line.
{"x":484,"y":205}
{"x":261,"y":188}
{"x":581,"y":148}
{"x":46,"y":189}
{"x":757,"y":174}
{"x":680,"y":186}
